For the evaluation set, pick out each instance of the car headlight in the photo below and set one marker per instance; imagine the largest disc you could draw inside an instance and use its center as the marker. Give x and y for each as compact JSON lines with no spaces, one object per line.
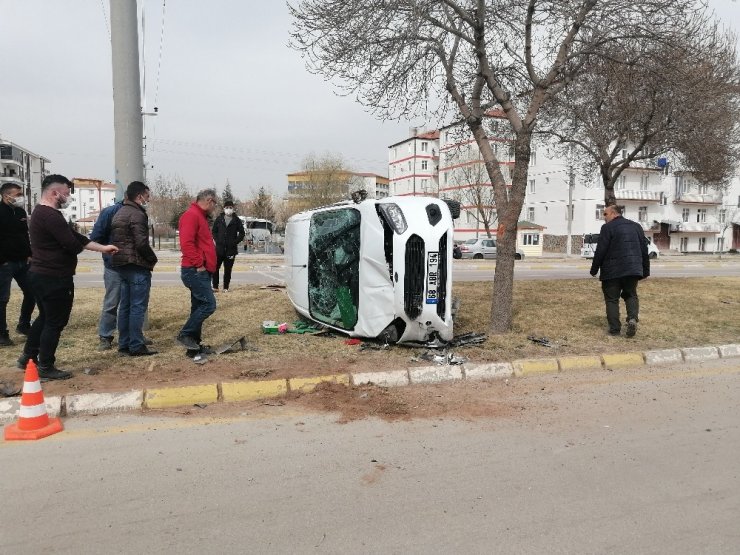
{"x":394,"y":216}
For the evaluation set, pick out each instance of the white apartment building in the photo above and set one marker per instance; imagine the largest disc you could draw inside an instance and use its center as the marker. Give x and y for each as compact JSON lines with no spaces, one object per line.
{"x":89,"y":198}
{"x":376,"y":186}
{"x":676,"y":211}
{"x":412,"y":164}
{"x":27,"y":169}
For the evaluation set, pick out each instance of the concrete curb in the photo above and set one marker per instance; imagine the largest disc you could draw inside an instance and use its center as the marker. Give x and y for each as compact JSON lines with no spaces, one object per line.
{"x":99,"y":403}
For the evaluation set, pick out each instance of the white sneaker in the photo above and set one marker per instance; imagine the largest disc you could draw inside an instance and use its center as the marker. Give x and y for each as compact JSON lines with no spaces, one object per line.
{"x":226,"y":290}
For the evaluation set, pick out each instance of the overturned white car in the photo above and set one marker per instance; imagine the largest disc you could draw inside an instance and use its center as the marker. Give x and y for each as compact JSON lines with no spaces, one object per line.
{"x":377,"y":268}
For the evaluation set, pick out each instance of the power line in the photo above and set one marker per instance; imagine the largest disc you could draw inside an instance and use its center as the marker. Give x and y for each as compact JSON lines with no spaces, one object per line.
{"x":105,"y":18}
{"x":159,"y":60}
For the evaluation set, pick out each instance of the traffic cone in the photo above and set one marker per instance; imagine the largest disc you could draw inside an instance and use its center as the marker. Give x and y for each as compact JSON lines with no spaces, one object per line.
{"x":33,"y":420}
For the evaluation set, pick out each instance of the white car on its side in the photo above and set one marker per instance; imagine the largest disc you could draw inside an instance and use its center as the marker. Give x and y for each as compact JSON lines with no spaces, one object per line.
{"x":377,"y":268}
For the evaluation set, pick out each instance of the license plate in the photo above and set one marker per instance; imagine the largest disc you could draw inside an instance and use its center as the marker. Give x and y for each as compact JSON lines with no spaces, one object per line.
{"x":432,"y":278}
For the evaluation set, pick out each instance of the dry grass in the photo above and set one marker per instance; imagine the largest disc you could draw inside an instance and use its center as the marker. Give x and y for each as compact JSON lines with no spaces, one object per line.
{"x":674,"y":312}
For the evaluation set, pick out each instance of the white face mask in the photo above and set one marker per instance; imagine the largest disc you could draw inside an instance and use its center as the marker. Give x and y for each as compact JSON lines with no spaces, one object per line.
{"x":63,"y":203}
{"x":19,"y":202}
{"x":228,"y":211}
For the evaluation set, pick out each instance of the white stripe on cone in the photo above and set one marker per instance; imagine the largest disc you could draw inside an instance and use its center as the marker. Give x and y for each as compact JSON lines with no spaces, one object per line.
{"x":31,"y":387}
{"x":32,"y":412}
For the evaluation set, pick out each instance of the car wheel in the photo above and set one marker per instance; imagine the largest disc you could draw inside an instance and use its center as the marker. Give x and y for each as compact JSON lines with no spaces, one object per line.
{"x":478,"y":256}
{"x":652,"y":255}
{"x":517,"y":256}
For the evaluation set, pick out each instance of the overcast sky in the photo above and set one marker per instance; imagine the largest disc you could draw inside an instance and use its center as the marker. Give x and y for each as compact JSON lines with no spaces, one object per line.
{"x":234,"y":101}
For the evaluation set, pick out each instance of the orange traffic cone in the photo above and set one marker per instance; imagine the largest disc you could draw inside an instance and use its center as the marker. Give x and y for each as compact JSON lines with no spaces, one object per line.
{"x":33,"y":420}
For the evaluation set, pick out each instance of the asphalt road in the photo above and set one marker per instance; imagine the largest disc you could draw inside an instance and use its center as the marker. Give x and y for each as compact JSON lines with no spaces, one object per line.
{"x":635,"y":462}
{"x":264,"y":272}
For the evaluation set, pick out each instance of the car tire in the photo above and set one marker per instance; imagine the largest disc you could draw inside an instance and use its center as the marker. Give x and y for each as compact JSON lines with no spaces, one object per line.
{"x":478,"y":256}
{"x":652,"y":255}
{"x":517,"y":256}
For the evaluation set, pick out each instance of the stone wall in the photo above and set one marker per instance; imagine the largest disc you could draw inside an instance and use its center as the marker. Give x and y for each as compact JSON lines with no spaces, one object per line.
{"x":557,"y":243}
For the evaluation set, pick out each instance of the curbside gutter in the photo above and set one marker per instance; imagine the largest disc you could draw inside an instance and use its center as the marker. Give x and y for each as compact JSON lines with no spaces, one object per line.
{"x":99,"y":403}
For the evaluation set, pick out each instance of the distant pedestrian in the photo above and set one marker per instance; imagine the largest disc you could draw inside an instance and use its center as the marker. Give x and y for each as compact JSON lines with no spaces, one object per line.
{"x":621,"y":259}
{"x":228,"y":232}
{"x":134,"y":263}
{"x":15,"y":255}
{"x":197,"y":266}
{"x":54,"y":250}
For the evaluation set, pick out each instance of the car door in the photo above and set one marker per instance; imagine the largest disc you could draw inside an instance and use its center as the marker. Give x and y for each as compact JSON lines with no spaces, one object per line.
{"x":489,"y":248}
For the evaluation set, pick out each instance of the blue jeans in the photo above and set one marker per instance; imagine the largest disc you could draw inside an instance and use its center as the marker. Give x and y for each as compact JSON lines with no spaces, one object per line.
{"x":202,"y":301}
{"x":109,"y":313}
{"x":18,"y":270}
{"x":136,"y":282}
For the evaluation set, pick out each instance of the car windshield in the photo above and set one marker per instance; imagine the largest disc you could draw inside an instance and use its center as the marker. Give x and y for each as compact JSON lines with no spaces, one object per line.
{"x":471,"y":241}
{"x":333,"y":267}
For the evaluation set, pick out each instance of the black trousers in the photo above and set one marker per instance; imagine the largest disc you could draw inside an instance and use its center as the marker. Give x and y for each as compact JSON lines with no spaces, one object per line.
{"x":228,"y":262}
{"x":54,"y":298}
{"x":613,"y":289}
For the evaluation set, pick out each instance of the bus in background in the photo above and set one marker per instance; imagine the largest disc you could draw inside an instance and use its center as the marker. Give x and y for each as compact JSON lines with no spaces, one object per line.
{"x":257,"y":233}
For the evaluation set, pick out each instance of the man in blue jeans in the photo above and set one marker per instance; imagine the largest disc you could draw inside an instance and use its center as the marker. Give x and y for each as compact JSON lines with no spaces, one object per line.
{"x":134,"y":263}
{"x":197,"y":266}
{"x":15,"y":255}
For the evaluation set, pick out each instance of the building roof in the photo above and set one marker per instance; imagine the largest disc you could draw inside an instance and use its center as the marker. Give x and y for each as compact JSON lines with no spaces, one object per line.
{"x":492,"y":113}
{"x":425,"y":136}
{"x":524,"y":224}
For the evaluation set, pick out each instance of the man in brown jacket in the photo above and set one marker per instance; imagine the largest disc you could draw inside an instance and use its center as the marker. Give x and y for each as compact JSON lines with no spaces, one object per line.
{"x":134,"y":262}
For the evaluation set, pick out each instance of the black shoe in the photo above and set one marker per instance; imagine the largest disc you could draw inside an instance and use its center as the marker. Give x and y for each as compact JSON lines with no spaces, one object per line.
{"x":5,"y":340}
{"x":23,"y":329}
{"x":615,"y":333}
{"x":631,"y":327}
{"x":106,"y":344}
{"x":143,"y":351}
{"x":48,"y":373}
{"x":148,"y":341}
{"x":23,"y":361}
{"x":206,"y":350}
{"x":123,"y":353}
{"x":187,"y":342}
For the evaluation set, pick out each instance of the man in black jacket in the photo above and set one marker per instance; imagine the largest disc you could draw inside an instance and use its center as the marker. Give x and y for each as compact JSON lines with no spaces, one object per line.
{"x":622,"y":256}
{"x":15,"y":255}
{"x":228,"y":232}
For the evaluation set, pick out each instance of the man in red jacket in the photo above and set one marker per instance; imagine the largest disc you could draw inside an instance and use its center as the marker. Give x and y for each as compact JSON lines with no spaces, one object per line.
{"x":198,"y":265}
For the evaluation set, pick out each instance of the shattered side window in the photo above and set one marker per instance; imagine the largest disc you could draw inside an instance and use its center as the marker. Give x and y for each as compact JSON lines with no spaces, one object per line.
{"x":333,"y":267}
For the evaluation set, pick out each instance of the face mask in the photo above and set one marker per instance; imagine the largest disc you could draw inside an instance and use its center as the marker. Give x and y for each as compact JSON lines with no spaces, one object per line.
{"x":228,"y":211}
{"x":63,"y":203}
{"x":144,"y":205}
{"x":19,"y":202}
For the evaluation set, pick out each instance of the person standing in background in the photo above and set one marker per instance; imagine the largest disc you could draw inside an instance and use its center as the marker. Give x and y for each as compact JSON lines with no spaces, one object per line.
{"x":228,"y":232}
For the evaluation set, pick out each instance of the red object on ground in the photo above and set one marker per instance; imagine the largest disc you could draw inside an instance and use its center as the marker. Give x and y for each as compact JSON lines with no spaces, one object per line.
{"x":352,"y":341}
{"x":33,"y":420}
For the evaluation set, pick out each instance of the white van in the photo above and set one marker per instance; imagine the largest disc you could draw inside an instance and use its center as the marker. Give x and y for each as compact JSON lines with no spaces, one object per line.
{"x":591,"y":239}
{"x":378,"y":268}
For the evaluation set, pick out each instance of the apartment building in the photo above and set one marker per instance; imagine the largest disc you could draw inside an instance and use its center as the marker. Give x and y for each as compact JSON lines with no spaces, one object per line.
{"x":678,"y":212}
{"x":413,"y":164}
{"x":25,"y":168}
{"x":89,"y":198}
{"x":376,"y":186}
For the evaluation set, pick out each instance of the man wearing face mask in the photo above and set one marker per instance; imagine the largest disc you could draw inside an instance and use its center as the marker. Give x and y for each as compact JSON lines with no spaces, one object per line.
{"x":15,"y":254}
{"x":197,"y":266}
{"x":134,"y":263}
{"x":54,"y":250}
{"x":228,"y":232}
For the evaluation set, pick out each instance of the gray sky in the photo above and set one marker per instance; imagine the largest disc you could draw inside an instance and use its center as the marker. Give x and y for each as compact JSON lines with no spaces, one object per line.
{"x":234,"y":101}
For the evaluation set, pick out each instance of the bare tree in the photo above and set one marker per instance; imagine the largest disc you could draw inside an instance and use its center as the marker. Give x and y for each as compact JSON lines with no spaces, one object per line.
{"x":730,"y":216}
{"x":323,"y":180}
{"x":460,"y":58}
{"x":171,"y":196}
{"x":476,"y":193}
{"x":676,"y":101}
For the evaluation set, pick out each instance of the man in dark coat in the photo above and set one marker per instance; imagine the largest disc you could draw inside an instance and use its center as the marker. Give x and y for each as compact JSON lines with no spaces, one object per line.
{"x":134,"y":262}
{"x":622,"y":258}
{"x":228,"y":232}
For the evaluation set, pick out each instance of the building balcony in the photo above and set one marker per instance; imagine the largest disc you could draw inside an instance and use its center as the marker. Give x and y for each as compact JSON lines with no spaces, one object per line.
{"x":696,"y":227}
{"x":12,"y":179}
{"x":714,"y":197}
{"x":627,"y":194}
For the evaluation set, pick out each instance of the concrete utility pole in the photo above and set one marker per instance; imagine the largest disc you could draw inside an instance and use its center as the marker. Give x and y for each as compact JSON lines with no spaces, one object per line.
{"x":571,"y":186}
{"x":127,"y":122}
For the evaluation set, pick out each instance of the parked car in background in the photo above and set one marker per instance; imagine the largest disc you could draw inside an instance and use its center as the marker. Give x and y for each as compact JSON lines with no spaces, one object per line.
{"x":376,"y":268}
{"x":591,"y":239}
{"x":483,"y":247}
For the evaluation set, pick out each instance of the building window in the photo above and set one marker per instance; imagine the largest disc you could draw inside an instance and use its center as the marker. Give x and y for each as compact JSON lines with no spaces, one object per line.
{"x":531,"y":239}
{"x":444,"y":178}
{"x":702,"y":244}
{"x":701,"y":215}
{"x":408,"y":165}
{"x":425,"y":185}
{"x":531,"y":186}
{"x":722,"y":215}
{"x":423,"y":164}
{"x":684,"y":245}
{"x":409,"y":147}
{"x":644,"y":182}
{"x":663,"y":199}
{"x":642,"y":214}
{"x":680,"y":186}
{"x":685,"y":215}
{"x":624,"y":153}
{"x":533,"y":158}
{"x":621,"y":182}
{"x":530,"y":214}
{"x":599,"y":211}
{"x":424,"y":146}
{"x":703,"y":189}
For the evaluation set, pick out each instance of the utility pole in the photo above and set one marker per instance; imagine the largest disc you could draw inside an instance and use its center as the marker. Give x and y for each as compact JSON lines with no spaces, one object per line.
{"x":571,"y":185}
{"x":127,"y":122}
